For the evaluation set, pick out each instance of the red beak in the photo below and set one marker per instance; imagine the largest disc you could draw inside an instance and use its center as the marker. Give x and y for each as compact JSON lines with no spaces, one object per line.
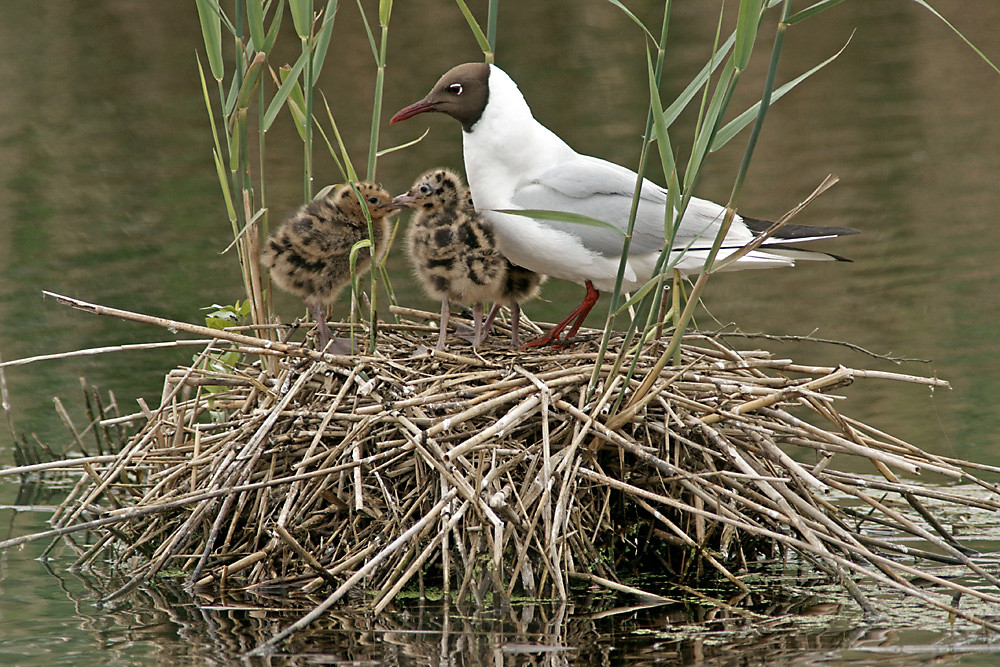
{"x":412,"y":110}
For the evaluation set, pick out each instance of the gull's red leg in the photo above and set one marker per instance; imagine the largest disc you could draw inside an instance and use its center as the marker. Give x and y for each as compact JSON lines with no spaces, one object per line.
{"x":577,"y":317}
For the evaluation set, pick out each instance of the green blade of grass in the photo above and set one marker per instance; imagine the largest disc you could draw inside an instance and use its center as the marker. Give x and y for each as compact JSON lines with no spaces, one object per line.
{"x":295,"y":101}
{"x":955,"y":30}
{"x":477,"y":32}
{"x":393,"y":149}
{"x":812,"y":11}
{"x":674,"y":110}
{"x":220,"y":168}
{"x":278,"y":101}
{"x":733,"y":127}
{"x":208,"y":105}
{"x":561,"y":216}
{"x":272,"y":32}
{"x":301,"y":16}
{"x":250,"y":81}
{"x":255,"y":19}
{"x":323,"y":39}
{"x":634,"y":18}
{"x":236,"y":143}
{"x":368,"y":30}
{"x":352,"y":174}
{"x":333,"y":154}
{"x":211,"y":31}
{"x":746,"y":31}
{"x":660,"y":132}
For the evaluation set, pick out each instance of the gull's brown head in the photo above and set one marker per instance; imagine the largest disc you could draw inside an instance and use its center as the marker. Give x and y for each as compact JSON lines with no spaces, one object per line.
{"x":462,"y":93}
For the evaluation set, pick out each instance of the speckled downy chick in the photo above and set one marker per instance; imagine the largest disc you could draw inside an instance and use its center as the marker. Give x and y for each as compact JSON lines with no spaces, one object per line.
{"x":309,"y":255}
{"x":454,"y":252}
{"x":519,"y":286}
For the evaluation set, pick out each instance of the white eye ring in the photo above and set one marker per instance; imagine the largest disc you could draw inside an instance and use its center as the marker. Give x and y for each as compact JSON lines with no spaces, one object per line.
{"x":455,"y":88}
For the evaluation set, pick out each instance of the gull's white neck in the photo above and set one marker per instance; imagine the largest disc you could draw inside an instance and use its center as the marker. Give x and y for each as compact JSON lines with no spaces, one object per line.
{"x":507,"y":145}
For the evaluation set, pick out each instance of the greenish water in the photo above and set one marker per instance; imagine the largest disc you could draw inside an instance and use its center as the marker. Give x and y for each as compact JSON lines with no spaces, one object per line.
{"x":108,"y":193}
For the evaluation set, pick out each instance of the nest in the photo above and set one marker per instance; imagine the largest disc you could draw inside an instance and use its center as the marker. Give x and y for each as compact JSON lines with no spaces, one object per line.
{"x":502,"y":473}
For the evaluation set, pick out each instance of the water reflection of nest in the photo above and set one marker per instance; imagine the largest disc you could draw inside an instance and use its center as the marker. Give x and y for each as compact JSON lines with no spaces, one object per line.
{"x":490,"y":475}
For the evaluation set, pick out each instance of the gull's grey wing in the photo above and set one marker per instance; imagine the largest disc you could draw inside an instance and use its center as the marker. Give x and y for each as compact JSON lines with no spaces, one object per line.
{"x":599,"y":189}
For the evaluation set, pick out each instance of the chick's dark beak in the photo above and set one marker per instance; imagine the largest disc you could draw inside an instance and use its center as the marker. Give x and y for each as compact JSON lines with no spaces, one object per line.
{"x":393,"y":205}
{"x":405,"y":199}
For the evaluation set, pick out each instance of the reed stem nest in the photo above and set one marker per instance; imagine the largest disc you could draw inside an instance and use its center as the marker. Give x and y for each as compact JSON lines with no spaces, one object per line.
{"x":501,"y":473}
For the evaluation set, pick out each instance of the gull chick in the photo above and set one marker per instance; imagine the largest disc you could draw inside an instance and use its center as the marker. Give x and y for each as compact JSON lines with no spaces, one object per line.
{"x":514,"y":162}
{"x":309,"y":255}
{"x":454,"y":253}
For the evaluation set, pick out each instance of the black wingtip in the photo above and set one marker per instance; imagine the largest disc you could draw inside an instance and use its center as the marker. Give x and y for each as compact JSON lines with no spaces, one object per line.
{"x":791,"y":232}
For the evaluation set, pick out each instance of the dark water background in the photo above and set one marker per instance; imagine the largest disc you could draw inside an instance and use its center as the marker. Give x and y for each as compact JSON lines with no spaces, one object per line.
{"x":108,"y":193}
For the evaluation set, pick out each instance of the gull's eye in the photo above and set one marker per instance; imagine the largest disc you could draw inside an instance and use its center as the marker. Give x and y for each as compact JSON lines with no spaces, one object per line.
{"x":455,"y":88}
{"x":373,"y":200}
{"x":426,"y":189}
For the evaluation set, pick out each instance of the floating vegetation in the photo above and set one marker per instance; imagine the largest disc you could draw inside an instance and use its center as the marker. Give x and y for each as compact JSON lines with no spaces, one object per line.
{"x":500,"y":473}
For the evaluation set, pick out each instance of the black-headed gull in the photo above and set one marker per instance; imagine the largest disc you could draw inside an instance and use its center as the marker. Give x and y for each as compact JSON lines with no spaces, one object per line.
{"x":309,"y":255}
{"x":455,"y":257}
{"x":514,"y":162}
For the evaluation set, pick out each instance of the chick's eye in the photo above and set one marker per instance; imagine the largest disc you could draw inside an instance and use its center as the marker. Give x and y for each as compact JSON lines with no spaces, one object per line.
{"x":455,"y":88}
{"x":425,"y":189}
{"x":373,"y":200}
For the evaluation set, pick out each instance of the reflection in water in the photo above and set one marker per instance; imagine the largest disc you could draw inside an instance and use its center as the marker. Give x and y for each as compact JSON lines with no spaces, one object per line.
{"x":163,"y":625}
{"x":598,"y":629}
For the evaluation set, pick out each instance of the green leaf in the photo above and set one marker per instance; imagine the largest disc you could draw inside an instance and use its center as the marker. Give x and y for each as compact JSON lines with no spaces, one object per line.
{"x":250,"y":81}
{"x":239,"y":122}
{"x":272,"y":32}
{"x":733,"y":127}
{"x":637,"y":296}
{"x":208,"y":107}
{"x":384,"y":11}
{"x":220,"y":169}
{"x":671,"y":113}
{"x":352,"y":174}
{"x":393,"y":149}
{"x":712,"y":119}
{"x":283,"y":91}
{"x":368,"y":30}
{"x":956,"y":31}
{"x":302,"y":15}
{"x":747,"y":23}
{"x":336,"y":160}
{"x":659,"y":123}
{"x":296,"y":103}
{"x":255,"y":18}
{"x":477,"y":32}
{"x":322,"y":41}
{"x":561,"y":216}
{"x":812,"y":11}
{"x":355,"y":249}
{"x":634,"y":18}
{"x":211,"y":32}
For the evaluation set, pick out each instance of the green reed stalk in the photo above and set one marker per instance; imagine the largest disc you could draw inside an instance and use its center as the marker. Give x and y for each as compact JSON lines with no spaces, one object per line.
{"x":379,"y":53}
{"x":491,"y":26}
{"x":749,"y":18}
{"x":643,"y":157}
